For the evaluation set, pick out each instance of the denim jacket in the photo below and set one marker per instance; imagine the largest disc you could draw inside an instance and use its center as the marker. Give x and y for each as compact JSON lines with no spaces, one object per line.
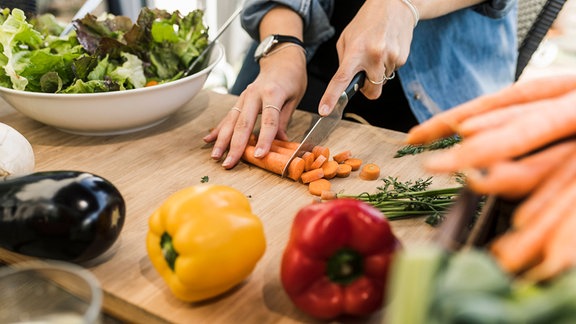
{"x":453,"y":58}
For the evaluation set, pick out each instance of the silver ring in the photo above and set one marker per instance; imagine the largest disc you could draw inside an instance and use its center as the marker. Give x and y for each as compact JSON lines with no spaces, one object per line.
{"x":273,"y":107}
{"x":384,"y":78}
{"x":237,"y":109}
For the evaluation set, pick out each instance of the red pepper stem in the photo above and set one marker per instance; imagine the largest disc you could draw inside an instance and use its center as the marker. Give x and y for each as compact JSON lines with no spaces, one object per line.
{"x":345,"y":266}
{"x":170,"y":254}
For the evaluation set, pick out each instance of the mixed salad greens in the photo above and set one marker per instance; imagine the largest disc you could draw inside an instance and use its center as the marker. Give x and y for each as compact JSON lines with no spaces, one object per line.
{"x":106,"y":53}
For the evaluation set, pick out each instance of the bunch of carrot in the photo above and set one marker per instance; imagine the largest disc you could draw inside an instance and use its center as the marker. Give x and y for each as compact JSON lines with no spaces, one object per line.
{"x":519,"y":144}
{"x":314,"y":168}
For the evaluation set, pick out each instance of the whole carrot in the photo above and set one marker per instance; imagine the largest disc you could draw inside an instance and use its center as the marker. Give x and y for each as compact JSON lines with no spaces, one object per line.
{"x":275,"y":162}
{"x":517,"y":250}
{"x":556,"y":181}
{"x":525,"y":134}
{"x":447,"y":123}
{"x":514,"y":179}
{"x":559,"y":252}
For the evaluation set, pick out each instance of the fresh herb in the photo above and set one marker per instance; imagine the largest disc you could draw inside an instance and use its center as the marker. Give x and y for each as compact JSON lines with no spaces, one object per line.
{"x":398,"y":200}
{"x":204,"y":179}
{"x":436,"y":145}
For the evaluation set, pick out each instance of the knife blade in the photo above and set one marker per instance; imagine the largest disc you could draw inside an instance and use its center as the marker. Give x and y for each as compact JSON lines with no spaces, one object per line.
{"x":325,"y":125}
{"x":208,"y":48}
{"x":86,"y":8}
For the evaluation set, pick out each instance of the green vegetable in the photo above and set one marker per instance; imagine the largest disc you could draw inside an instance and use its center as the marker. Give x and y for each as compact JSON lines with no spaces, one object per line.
{"x":104,"y":54}
{"x":436,"y":145}
{"x":410,"y":199}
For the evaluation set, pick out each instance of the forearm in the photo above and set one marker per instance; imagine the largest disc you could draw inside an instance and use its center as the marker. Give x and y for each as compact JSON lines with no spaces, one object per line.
{"x":432,"y":9}
{"x":281,"y":20}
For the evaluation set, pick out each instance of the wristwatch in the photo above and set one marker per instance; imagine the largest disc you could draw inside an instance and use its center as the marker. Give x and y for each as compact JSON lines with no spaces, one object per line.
{"x":268,"y":44}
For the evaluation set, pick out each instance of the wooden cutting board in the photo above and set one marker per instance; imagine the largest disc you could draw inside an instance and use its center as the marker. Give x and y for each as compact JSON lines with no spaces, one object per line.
{"x":149,"y":165}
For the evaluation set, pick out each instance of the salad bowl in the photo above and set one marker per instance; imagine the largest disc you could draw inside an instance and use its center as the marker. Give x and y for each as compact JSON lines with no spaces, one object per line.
{"x":112,"y":113}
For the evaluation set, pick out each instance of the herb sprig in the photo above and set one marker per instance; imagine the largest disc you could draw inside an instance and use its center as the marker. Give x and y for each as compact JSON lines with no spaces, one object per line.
{"x":436,"y":145}
{"x":399,"y":200}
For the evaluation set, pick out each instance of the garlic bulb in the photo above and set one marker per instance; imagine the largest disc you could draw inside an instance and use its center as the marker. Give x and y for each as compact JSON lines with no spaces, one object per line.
{"x":16,"y":154}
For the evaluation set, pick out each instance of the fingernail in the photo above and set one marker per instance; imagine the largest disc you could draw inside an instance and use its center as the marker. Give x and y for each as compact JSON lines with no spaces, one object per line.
{"x":216,"y":153}
{"x":324,"y":110}
{"x":227,"y":162}
{"x":259,"y":152}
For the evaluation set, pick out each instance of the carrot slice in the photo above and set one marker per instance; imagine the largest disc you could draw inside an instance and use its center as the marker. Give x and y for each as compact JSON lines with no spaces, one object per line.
{"x":330,"y":169}
{"x":308,"y":157}
{"x":355,"y":163}
{"x":344,"y":170}
{"x":312,"y":175}
{"x":342,"y":156}
{"x":316,"y":187}
{"x":370,"y":172}
{"x":318,"y":162}
{"x":321,"y":150}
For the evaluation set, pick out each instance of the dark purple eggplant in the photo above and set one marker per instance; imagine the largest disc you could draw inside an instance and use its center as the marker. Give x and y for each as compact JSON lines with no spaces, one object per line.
{"x":62,"y":215}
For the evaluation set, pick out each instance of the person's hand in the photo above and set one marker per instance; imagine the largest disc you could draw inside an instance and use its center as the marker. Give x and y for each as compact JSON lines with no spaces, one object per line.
{"x":377,"y":41}
{"x":274,"y":94}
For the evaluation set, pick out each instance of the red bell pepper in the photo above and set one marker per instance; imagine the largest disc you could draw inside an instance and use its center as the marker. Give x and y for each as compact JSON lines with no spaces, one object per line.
{"x":337,"y":259}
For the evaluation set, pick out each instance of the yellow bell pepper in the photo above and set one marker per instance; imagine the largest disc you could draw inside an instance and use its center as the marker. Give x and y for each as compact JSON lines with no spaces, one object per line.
{"x":204,"y":240}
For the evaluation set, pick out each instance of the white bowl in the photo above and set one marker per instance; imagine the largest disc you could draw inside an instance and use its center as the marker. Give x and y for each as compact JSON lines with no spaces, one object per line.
{"x":111,"y":113}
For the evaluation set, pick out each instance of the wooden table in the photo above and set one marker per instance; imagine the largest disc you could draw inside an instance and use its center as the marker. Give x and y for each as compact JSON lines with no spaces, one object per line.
{"x":149,"y":165}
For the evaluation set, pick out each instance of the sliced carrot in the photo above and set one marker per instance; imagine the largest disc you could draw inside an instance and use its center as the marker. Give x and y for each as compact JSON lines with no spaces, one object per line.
{"x":274,"y":162}
{"x":328,"y":195}
{"x":370,"y":172}
{"x":330,"y":169}
{"x":342,"y":156}
{"x":316,"y":187}
{"x":344,"y":170}
{"x":312,"y":175}
{"x":321,"y":150}
{"x":151,"y":83}
{"x":446,"y":123}
{"x":522,"y":135}
{"x":308,"y":157}
{"x":318,"y":162}
{"x":532,"y":206}
{"x":515,"y":179}
{"x":355,"y":163}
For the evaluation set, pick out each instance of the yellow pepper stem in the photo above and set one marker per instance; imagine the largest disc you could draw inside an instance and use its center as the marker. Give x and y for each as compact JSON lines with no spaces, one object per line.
{"x":170,"y":255}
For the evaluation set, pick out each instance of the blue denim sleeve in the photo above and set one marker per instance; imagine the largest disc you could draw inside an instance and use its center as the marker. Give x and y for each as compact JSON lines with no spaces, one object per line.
{"x":315,"y":16}
{"x":495,"y":8}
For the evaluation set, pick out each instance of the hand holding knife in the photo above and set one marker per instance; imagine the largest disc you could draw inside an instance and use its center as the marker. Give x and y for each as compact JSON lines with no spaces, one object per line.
{"x":325,"y":125}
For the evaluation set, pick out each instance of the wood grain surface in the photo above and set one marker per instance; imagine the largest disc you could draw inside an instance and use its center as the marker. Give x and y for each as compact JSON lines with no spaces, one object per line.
{"x":149,"y":165}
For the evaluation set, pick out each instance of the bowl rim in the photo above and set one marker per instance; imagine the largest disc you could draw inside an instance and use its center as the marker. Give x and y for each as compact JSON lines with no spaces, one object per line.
{"x":217,"y":46}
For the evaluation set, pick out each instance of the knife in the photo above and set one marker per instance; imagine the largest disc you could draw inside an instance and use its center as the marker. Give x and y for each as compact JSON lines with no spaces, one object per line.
{"x":86,"y":8}
{"x":209,"y":47}
{"x":325,"y":125}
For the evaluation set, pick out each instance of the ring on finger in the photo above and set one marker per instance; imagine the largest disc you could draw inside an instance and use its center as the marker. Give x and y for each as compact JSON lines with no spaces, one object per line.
{"x":272,"y":107}
{"x":237,"y":109}
{"x":384,"y":78}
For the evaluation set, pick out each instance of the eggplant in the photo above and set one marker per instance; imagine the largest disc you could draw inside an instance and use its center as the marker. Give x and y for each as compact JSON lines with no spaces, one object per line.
{"x":62,"y":215}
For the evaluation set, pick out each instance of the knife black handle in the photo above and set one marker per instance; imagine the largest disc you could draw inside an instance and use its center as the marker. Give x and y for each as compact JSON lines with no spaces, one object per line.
{"x":356,"y":84}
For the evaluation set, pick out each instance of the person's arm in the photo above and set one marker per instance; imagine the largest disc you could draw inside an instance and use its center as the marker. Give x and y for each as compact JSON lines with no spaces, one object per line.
{"x":274,"y":94}
{"x":378,"y":42}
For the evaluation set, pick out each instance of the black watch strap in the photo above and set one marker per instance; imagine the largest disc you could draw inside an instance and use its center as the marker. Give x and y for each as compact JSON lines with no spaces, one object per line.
{"x":269,"y":43}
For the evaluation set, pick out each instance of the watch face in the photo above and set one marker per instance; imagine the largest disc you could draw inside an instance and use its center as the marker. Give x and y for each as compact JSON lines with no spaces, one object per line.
{"x":264,"y":47}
